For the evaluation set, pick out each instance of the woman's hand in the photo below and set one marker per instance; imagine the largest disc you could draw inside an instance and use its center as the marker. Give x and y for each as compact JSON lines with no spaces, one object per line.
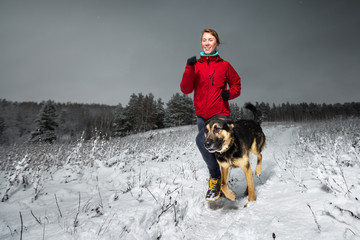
{"x":192,"y":61}
{"x":225,"y":94}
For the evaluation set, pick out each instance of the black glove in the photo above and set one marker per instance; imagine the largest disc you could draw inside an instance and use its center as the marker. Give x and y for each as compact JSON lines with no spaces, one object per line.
{"x":225,"y":94}
{"x":192,"y":61}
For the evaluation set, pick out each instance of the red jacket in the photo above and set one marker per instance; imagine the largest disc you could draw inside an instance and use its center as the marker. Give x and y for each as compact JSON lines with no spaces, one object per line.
{"x":207,"y":78}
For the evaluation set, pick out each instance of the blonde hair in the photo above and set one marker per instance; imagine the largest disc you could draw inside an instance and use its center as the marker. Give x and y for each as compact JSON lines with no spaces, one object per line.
{"x":212,"y":32}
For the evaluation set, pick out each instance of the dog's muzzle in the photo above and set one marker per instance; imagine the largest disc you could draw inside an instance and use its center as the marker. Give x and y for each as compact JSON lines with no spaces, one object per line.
{"x":211,"y":146}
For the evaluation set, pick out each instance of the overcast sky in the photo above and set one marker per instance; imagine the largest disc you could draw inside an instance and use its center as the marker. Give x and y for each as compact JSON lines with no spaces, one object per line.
{"x":102,"y":51}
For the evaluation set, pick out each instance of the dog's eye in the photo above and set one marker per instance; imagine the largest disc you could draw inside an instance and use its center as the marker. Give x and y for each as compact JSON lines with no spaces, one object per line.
{"x":206,"y":131}
{"x":216,"y":129}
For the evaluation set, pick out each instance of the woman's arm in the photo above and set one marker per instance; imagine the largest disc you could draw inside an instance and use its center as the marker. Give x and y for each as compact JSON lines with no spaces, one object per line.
{"x":234,"y":82}
{"x":188,"y":79}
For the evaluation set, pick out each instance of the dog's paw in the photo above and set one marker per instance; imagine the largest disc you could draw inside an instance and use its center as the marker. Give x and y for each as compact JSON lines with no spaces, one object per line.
{"x":228,"y":193}
{"x":251,"y":198}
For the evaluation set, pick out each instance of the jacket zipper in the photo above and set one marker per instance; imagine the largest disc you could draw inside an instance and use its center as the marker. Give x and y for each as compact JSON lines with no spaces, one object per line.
{"x":212,"y":75}
{"x":213,"y":78}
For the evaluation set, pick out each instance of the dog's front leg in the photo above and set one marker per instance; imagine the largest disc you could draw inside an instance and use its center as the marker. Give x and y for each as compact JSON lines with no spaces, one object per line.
{"x":224,"y":183}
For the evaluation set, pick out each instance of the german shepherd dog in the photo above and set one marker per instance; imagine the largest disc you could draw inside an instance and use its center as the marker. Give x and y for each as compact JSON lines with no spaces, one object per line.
{"x":232,"y":143}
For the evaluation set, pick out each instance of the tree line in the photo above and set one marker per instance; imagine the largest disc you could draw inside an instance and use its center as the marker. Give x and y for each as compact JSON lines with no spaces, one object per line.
{"x":308,"y":111}
{"x":49,"y":121}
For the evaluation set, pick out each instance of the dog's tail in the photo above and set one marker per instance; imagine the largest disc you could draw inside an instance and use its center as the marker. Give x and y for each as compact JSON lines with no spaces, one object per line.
{"x":257,"y":113}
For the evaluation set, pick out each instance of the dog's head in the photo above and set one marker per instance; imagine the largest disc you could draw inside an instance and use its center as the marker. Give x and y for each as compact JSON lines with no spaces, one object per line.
{"x":218,"y":135}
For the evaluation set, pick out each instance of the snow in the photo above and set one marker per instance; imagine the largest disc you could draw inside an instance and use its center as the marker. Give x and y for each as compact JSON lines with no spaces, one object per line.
{"x":152,"y":186}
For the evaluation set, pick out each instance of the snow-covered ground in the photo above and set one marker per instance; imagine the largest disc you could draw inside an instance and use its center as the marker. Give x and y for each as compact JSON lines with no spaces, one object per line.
{"x":152,"y":186}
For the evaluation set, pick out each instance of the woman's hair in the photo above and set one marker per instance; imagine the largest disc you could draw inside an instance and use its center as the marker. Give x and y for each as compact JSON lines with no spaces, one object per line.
{"x":212,"y":32}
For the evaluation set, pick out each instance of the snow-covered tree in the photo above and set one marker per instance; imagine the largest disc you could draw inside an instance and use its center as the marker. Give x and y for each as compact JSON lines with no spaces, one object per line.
{"x":46,"y":124}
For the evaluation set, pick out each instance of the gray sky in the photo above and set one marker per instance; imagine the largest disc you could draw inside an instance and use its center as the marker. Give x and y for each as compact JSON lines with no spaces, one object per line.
{"x":102,"y":51}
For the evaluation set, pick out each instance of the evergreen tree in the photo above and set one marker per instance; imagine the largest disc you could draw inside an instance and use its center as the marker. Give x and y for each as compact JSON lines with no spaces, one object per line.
{"x":160,"y":114}
{"x":235,"y":112}
{"x":119,"y":125}
{"x":265,"y":110}
{"x":180,"y":111}
{"x":2,"y":126}
{"x":130,"y":113}
{"x":2,"y":130}
{"x":141,"y":113}
{"x":46,"y":124}
{"x":149,"y":109}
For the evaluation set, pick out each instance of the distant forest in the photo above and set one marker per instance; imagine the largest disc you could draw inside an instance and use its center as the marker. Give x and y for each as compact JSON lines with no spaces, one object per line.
{"x":65,"y":122}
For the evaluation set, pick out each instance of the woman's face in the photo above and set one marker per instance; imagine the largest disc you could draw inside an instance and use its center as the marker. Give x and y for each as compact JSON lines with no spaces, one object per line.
{"x":208,"y":43}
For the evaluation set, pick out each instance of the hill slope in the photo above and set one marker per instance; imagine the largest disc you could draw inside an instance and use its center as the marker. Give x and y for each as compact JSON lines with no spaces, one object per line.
{"x":152,"y":186}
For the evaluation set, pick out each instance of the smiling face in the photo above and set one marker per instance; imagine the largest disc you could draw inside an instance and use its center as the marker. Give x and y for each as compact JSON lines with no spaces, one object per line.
{"x":209,"y":43}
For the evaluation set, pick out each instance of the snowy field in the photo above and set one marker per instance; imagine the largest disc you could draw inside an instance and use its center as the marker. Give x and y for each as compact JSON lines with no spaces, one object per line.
{"x":153,"y":185}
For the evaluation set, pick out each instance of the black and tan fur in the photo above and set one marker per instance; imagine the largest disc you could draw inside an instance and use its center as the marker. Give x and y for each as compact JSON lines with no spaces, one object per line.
{"x":232,"y":143}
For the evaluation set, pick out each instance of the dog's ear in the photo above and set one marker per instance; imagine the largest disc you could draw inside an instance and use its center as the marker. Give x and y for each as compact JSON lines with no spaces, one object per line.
{"x":229,"y":125}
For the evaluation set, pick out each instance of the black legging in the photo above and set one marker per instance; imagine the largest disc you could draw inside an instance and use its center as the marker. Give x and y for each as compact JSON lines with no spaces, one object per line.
{"x":209,"y":158}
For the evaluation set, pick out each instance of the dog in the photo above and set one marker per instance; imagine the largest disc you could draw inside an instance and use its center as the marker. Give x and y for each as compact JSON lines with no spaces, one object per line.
{"x":232,"y":143}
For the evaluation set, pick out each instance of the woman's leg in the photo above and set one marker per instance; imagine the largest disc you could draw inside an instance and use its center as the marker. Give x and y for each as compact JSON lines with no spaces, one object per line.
{"x":208,"y":157}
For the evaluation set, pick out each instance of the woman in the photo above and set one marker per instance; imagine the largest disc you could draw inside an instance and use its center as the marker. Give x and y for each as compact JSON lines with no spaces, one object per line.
{"x":208,"y":77}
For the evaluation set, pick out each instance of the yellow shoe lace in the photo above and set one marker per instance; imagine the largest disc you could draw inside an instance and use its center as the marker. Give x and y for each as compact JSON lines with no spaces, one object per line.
{"x":212,"y":183}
